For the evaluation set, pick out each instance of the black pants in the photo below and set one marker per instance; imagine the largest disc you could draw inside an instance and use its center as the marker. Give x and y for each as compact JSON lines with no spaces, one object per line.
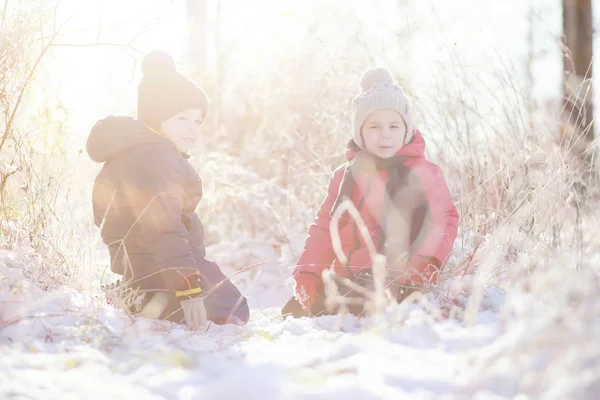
{"x":317,"y":308}
{"x":294,"y":309}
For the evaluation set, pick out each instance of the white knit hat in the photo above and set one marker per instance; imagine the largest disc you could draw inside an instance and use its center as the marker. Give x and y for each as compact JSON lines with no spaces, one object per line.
{"x":379,"y":91}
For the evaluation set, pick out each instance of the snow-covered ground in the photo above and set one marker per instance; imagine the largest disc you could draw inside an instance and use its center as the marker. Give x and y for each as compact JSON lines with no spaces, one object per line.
{"x":534,"y":341}
{"x":67,"y":344}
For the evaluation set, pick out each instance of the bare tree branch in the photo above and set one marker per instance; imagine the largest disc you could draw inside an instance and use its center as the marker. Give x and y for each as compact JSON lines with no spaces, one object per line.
{"x":99,"y":27}
{"x":8,"y":128}
{"x":54,"y":16}
{"x":118,"y":45}
{"x":148,"y":27}
{"x":51,"y":43}
{"x":42,"y":31}
{"x":4,"y":12}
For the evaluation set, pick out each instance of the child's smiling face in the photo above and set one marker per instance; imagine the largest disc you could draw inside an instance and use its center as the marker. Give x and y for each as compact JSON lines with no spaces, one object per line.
{"x":383,"y":133}
{"x":183,"y":129}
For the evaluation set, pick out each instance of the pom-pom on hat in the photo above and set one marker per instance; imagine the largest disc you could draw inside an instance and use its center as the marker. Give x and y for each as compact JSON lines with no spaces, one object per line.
{"x":379,"y":91}
{"x":164,"y":92}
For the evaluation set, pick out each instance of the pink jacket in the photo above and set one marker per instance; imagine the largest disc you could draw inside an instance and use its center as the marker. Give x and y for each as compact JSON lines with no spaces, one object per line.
{"x":432,"y":239}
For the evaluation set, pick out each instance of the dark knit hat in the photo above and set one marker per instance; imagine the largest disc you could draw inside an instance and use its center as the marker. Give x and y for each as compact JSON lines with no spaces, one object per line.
{"x":164,"y":92}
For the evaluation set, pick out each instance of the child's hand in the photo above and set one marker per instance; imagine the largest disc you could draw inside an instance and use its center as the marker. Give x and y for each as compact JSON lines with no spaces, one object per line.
{"x":306,"y":289}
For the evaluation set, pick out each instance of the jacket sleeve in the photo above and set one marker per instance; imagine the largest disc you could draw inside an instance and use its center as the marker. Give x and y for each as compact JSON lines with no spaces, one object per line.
{"x":441,"y":232}
{"x":153,"y":190}
{"x":318,"y":251}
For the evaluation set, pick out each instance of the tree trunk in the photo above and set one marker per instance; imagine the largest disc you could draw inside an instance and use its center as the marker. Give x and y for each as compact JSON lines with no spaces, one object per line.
{"x":197,"y":32}
{"x":577,"y":64}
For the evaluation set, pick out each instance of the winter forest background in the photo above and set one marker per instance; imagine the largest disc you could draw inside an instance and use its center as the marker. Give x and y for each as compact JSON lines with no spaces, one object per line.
{"x":517,"y":312}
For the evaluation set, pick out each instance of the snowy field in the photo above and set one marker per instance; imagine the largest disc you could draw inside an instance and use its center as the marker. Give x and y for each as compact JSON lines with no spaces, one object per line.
{"x":65,"y":344}
{"x":68,"y":350}
{"x":517,"y":317}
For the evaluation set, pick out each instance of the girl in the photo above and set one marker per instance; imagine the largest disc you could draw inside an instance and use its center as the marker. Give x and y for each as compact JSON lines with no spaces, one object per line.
{"x":145,"y":195}
{"x":402,"y":198}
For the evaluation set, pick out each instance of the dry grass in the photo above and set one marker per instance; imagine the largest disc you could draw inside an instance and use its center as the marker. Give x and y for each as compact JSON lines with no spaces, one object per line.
{"x":512,"y":175}
{"x":527,"y":229}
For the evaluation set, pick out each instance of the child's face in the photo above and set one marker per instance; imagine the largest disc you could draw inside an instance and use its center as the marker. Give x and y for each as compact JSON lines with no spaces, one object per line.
{"x":183,"y":129}
{"x":383,"y":133}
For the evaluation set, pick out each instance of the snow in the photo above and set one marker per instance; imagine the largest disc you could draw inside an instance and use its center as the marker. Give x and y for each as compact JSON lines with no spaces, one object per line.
{"x":64,"y":343}
{"x":509,"y":342}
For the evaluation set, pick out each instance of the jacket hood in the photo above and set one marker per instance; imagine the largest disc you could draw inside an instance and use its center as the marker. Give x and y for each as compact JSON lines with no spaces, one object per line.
{"x":414,"y":148}
{"x":113,"y":135}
